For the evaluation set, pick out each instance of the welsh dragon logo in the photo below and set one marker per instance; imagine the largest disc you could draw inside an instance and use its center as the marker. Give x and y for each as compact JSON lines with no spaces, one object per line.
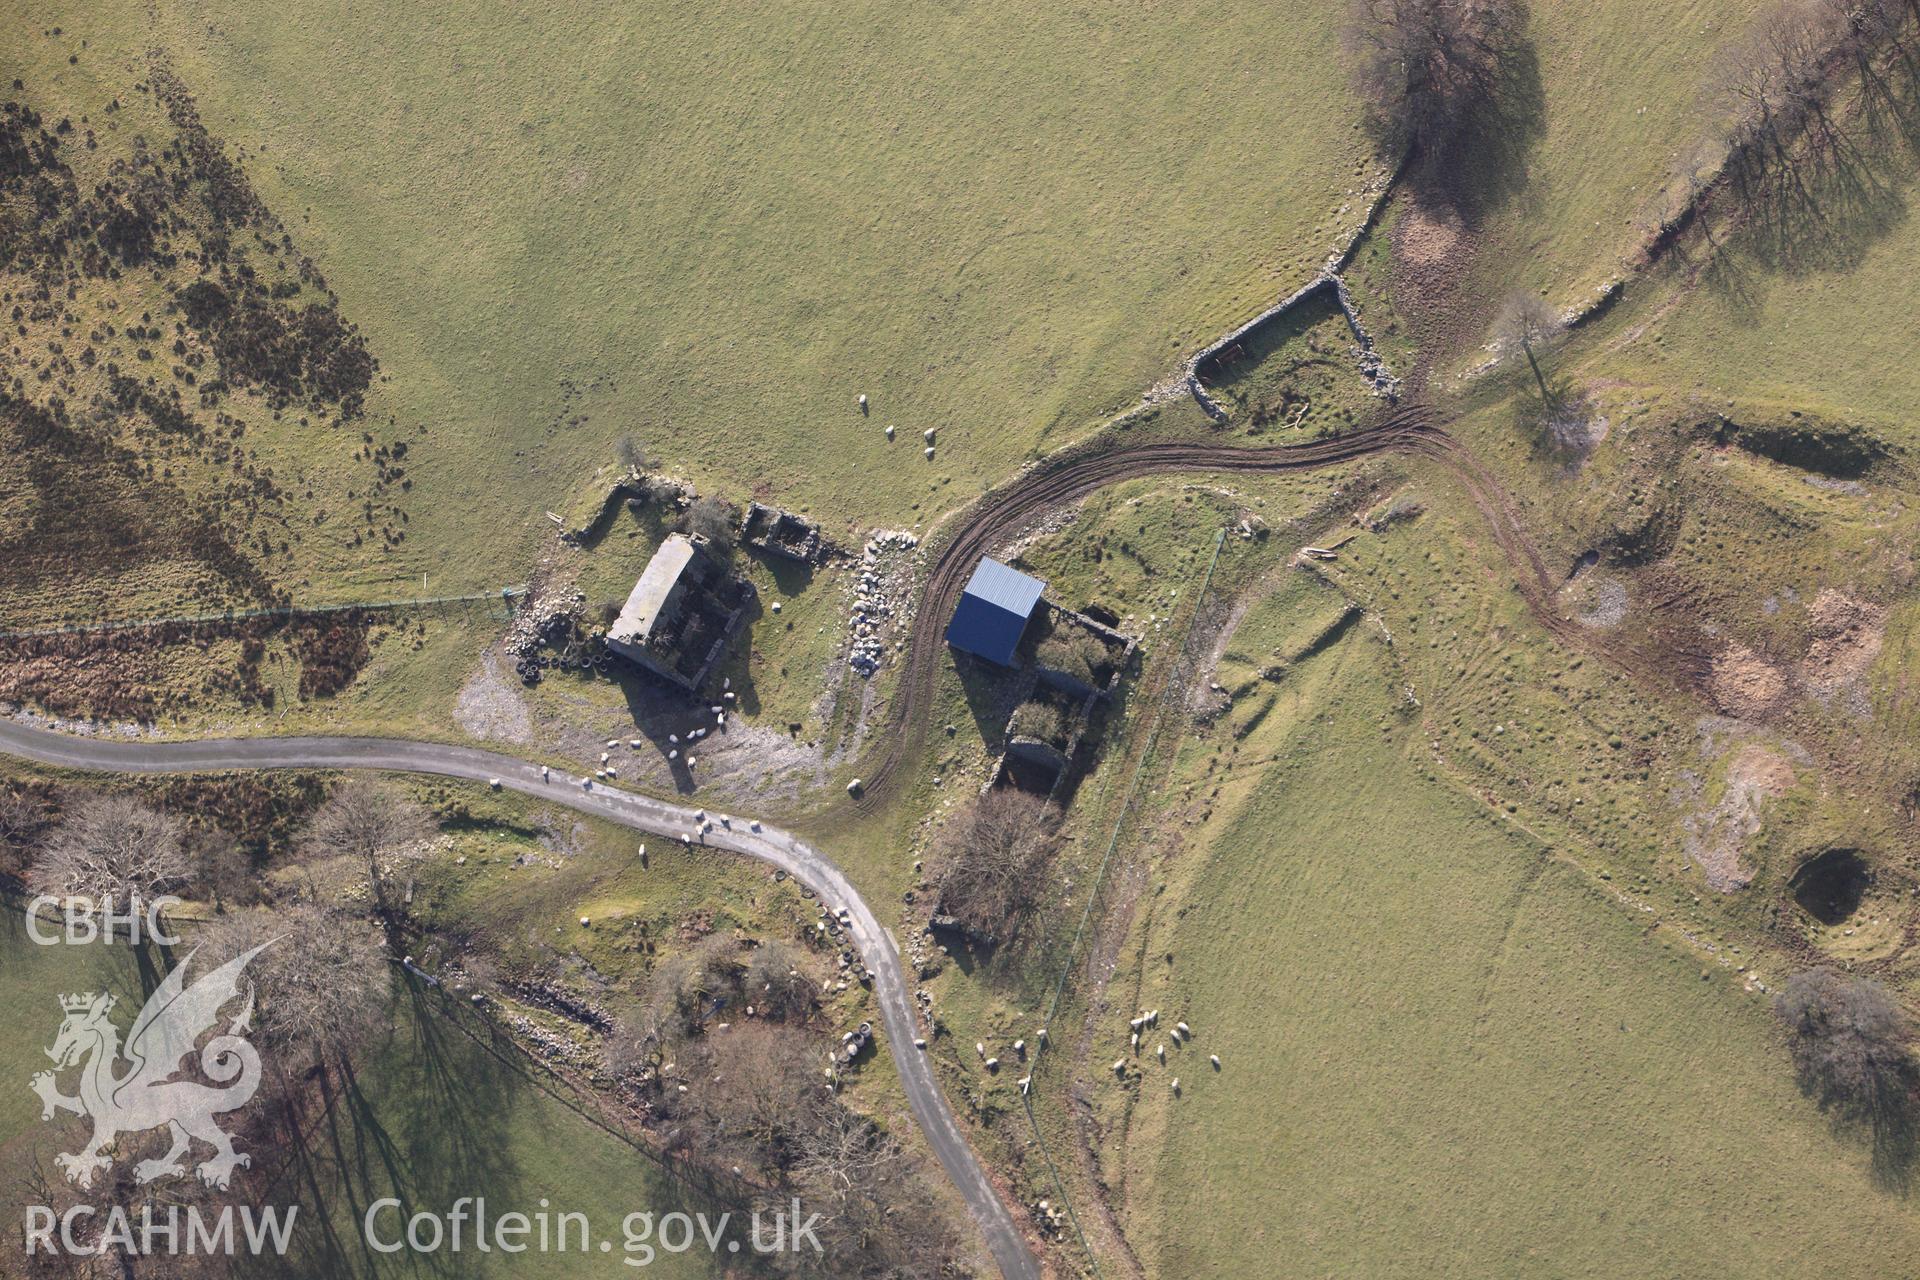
{"x":143,"y":1097}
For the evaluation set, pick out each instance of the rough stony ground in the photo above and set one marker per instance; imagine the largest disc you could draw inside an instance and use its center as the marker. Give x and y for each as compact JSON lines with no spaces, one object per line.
{"x":490,"y":705}
{"x":1596,"y":600}
{"x":1847,"y":635}
{"x":1716,"y":838}
{"x":1745,"y":684}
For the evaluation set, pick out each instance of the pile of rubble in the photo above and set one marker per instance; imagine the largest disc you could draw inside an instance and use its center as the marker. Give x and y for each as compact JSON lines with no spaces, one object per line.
{"x":543,"y":620}
{"x":882,"y":589}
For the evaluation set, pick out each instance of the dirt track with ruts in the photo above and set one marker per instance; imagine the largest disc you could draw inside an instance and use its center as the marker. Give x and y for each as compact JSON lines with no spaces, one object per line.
{"x":1412,"y":429}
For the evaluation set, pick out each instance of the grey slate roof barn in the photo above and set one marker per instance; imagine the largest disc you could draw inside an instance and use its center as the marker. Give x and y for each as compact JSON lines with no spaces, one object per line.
{"x":994,"y":611}
{"x":681,"y":613}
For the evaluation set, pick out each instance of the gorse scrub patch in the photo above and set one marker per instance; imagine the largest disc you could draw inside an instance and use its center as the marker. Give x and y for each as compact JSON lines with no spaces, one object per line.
{"x":182,"y":210}
{"x":167,"y":336}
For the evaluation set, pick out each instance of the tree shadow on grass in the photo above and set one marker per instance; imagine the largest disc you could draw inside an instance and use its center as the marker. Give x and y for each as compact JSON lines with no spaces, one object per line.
{"x":430,"y":1131}
{"x":1561,"y":424}
{"x":1483,"y":169}
{"x":1896,"y":1148}
{"x":1821,"y":203}
{"x":1891,"y":1132}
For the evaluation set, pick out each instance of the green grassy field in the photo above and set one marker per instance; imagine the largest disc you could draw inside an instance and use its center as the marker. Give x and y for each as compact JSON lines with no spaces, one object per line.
{"x":1807,"y":337}
{"x":712,"y":230}
{"x":1445,"y":1048}
{"x":557,"y":227}
{"x":1601,"y":144}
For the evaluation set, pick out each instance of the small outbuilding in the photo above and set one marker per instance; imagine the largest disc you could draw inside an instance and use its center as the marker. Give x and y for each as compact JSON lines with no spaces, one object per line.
{"x":993,"y":612}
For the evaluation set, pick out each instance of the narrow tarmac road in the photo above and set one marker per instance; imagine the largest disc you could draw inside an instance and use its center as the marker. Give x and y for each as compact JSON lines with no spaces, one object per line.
{"x":741,"y":835}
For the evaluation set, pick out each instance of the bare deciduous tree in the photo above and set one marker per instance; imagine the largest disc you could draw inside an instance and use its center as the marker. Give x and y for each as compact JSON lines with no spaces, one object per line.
{"x":875,"y":1210}
{"x":112,"y":846}
{"x":372,"y":824}
{"x":632,"y":456}
{"x":22,"y":818}
{"x":221,"y":873}
{"x":1430,"y":70}
{"x":1850,"y":1044}
{"x":323,"y":983}
{"x":990,"y":860}
{"x":637,"y":1043}
{"x":1527,"y":322}
{"x":687,"y":990}
{"x":754,"y":1087}
{"x":776,"y":983}
{"x":713,"y":518}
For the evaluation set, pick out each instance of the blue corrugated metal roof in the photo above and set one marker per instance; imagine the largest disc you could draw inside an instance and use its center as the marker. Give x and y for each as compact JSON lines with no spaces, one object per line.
{"x":1006,"y":587}
{"x":993,"y":611}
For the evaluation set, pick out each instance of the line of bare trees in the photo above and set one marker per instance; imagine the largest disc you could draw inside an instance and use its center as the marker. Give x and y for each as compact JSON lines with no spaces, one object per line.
{"x":323,"y":984}
{"x":1790,"y":141}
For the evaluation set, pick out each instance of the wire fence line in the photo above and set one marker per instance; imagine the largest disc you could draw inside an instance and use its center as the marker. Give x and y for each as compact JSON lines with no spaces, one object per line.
{"x":506,"y":594}
{"x":1175,"y":681}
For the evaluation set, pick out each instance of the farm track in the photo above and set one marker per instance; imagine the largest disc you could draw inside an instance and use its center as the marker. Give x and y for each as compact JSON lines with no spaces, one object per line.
{"x":1410,"y":430}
